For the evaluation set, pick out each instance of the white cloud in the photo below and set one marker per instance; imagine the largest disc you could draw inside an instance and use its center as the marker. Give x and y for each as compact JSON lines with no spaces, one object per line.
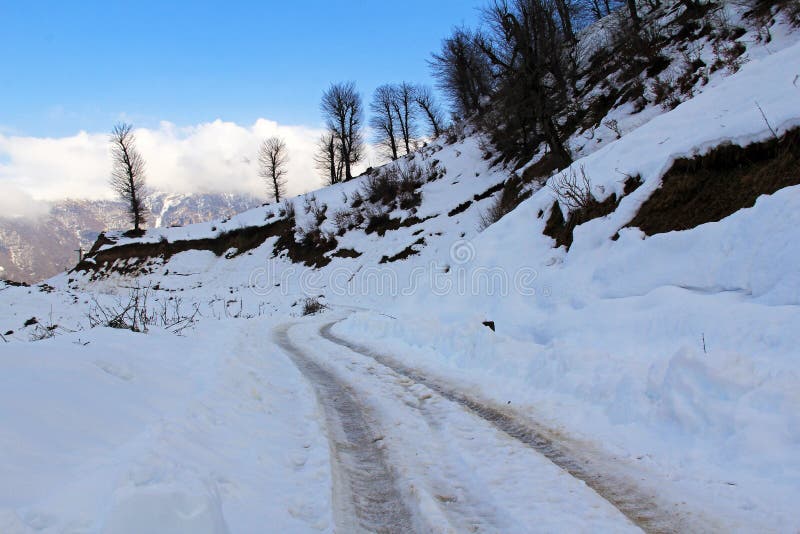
{"x":210,"y":157}
{"x":15,"y":202}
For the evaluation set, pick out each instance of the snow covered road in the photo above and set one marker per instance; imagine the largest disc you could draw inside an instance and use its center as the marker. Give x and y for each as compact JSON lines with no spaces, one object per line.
{"x":365,"y":492}
{"x":408,"y":451}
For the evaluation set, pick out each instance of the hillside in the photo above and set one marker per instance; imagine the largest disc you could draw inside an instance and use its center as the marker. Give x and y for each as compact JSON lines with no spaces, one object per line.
{"x":500,"y":345}
{"x":34,"y":249}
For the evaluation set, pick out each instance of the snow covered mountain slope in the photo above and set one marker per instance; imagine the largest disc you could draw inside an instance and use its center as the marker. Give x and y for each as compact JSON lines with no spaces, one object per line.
{"x":34,"y":249}
{"x":631,"y":378}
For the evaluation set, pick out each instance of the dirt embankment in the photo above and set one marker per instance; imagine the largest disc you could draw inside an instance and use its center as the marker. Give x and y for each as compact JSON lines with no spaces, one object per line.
{"x":711,"y":187}
{"x":233,"y":242}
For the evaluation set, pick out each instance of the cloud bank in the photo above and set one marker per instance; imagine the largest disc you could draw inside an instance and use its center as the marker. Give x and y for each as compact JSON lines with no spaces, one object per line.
{"x":217,"y":156}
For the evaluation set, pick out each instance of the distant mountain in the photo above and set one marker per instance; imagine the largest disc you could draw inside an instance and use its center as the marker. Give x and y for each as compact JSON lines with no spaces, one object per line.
{"x":35,"y":249}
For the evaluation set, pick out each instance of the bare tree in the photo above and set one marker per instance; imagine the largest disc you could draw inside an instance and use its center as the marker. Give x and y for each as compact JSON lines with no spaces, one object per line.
{"x":462,"y":72}
{"x":403,"y":105}
{"x":343,"y":112}
{"x":383,"y":120}
{"x":328,"y":158}
{"x":564,"y":8}
{"x":127,"y":174}
{"x":424,"y":99}
{"x":273,"y":157}
{"x":524,"y":47}
{"x":595,"y":9}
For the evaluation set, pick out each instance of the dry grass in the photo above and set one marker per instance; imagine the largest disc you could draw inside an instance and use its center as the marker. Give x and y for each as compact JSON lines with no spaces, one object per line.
{"x":711,"y":187}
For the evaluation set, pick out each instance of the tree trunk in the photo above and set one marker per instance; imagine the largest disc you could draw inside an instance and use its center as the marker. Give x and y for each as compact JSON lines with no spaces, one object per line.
{"x":554,"y":140}
{"x":634,"y":14}
{"x":566,"y":21}
{"x":433,"y":121}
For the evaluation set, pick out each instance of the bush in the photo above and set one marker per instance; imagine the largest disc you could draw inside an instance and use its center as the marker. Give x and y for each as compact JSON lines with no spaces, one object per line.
{"x":728,"y":55}
{"x":573,"y":189}
{"x":315,"y":209}
{"x":356,"y":199}
{"x":377,"y":220}
{"x":287,"y":210}
{"x":312,"y":306}
{"x":137,"y":316}
{"x":664,"y":93}
{"x":395,"y":184}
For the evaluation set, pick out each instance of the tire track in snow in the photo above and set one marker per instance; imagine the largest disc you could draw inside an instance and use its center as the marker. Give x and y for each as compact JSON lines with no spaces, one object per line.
{"x":365,"y":492}
{"x":642,"y":507}
{"x":462,"y":505}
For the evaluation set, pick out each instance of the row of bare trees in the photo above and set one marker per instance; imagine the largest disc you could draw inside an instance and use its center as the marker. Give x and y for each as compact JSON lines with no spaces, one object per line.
{"x":342,"y":145}
{"x":515,"y":75}
{"x":512,"y":73}
{"x":396,"y":112}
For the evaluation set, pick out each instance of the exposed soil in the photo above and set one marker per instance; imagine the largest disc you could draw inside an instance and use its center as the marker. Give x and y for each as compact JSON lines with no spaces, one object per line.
{"x":311,"y":248}
{"x":489,"y":192}
{"x":346,"y":253}
{"x":711,"y":187}
{"x":562,"y":230}
{"x":405,"y":253}
{"x":460,"y":208}
{"x":382,"y":223}
{"x":239,"y":240}
{"x":543,"y":168}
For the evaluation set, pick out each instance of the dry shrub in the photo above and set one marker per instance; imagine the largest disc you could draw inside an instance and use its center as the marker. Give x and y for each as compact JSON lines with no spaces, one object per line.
{"x":312,"y":306}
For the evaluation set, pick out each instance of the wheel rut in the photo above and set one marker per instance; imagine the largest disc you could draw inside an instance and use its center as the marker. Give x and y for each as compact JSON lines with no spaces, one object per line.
{"x":639,"y":505}
{"x":366,"y":497}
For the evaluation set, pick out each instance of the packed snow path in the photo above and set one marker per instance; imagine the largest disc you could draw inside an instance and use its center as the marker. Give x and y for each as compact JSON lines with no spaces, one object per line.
{"x":411,"y":454}
{"x":365,"y":493}
{"x":637,"y":504}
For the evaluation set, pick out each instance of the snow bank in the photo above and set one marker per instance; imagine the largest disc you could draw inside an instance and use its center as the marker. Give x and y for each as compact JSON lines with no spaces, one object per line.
{"x":110,"y":431}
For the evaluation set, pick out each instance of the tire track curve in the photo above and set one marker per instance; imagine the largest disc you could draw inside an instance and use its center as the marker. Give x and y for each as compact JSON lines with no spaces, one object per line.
{"x":366,"y":498}
{"x":639,"y":505}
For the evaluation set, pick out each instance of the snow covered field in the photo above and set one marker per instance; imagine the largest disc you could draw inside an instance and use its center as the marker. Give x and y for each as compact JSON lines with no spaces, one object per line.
{"x":667,"y":362}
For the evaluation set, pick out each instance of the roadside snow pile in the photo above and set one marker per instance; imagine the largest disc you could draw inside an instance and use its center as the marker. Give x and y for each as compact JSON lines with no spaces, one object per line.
{"x":109,"y":431}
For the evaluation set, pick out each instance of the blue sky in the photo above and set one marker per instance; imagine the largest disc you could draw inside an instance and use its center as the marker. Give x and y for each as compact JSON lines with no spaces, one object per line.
{"x":70,"y":66}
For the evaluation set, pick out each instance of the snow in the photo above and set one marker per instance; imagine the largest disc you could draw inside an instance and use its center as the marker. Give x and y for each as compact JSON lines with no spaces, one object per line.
{"x":675,"y":354}
{"x":445,"y":469}
{"x":111,"y":431}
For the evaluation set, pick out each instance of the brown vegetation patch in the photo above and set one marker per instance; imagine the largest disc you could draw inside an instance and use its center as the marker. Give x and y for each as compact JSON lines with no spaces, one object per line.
{"x":14,"y":283}
{"x":461,"y":208}
{"x":511,"y":195}
{"x":711,"y":187}
{"x":309,"y":250}
{"x":561,"y":230}
{"x":543,"y":168}
{"x":382,"y":223}
{"x":489,"y":192}
{"x":405,"y":253}
{"x":346,"y":253}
